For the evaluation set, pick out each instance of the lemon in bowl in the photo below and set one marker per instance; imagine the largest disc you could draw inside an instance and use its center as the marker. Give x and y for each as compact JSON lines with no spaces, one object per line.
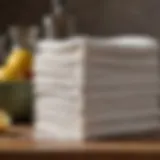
{"x":15,"y":91}
{"x":20,"y":60}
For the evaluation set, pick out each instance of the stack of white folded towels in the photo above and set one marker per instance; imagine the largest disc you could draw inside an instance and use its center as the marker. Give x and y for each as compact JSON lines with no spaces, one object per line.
{"x":88,"y":87}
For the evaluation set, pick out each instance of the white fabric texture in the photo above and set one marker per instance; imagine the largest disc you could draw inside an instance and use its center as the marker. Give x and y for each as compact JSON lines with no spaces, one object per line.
{"x":109,"y":85}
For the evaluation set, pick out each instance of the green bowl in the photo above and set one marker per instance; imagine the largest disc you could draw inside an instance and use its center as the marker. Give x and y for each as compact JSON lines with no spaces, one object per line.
{"x":17,"y":99}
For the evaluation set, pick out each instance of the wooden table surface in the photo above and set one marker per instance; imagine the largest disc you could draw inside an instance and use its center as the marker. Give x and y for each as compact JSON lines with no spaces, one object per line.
{"x":20,"y":144}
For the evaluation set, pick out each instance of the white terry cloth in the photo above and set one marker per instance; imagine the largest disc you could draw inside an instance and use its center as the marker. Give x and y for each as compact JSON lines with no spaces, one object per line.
{"x":96,"y":81}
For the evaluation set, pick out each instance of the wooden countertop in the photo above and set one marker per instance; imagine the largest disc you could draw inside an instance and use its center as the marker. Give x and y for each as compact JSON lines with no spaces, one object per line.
{"x":19,"y":143}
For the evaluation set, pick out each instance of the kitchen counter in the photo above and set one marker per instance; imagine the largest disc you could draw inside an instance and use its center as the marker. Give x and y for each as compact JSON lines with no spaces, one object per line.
{"x":19,"y":144}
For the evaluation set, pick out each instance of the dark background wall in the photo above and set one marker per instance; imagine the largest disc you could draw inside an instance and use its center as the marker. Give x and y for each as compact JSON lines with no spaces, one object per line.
{"x":97,"y":17}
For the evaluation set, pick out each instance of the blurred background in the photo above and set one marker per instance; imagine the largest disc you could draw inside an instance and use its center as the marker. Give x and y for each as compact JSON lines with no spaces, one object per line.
{"x":112,"y":16}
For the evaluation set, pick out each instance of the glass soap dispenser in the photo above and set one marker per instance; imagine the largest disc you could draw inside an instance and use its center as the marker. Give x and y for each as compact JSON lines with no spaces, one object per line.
{"x":63,"y":23}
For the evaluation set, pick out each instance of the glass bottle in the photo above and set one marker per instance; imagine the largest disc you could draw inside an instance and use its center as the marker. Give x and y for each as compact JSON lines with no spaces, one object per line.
{"x":47,"y":27}
{"x":63,"y":23}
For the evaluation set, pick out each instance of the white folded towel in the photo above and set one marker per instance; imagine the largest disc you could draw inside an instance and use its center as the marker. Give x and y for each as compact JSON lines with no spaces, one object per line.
{"x":92,"y":87}
{"x":58,"y":132}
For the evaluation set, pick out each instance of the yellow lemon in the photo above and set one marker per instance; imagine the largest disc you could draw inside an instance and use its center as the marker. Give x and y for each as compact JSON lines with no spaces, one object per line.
{"x":20,"y":60}
{"x":7,"y":74}
{"x":5,"y":121}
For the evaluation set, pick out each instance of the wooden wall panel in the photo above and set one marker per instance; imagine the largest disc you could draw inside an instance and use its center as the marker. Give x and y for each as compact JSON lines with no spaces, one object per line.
{"x":97,"y":17}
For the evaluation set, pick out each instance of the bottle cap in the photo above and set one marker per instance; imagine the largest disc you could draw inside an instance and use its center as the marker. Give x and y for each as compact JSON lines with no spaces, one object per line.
{"x":60,"y":2}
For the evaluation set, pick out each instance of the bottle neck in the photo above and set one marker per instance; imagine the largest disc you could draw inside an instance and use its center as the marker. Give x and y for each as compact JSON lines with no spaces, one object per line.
{"x":62,"y":20}
{"x":59,"y":6}
{"x":59,"y":3}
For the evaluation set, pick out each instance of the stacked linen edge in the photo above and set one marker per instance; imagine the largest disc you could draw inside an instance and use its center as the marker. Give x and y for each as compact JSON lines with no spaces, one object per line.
{"x":112,"y":104}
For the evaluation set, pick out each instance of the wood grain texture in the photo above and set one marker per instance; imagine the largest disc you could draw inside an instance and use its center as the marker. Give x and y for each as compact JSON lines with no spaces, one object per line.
{"x":23,"y":146}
